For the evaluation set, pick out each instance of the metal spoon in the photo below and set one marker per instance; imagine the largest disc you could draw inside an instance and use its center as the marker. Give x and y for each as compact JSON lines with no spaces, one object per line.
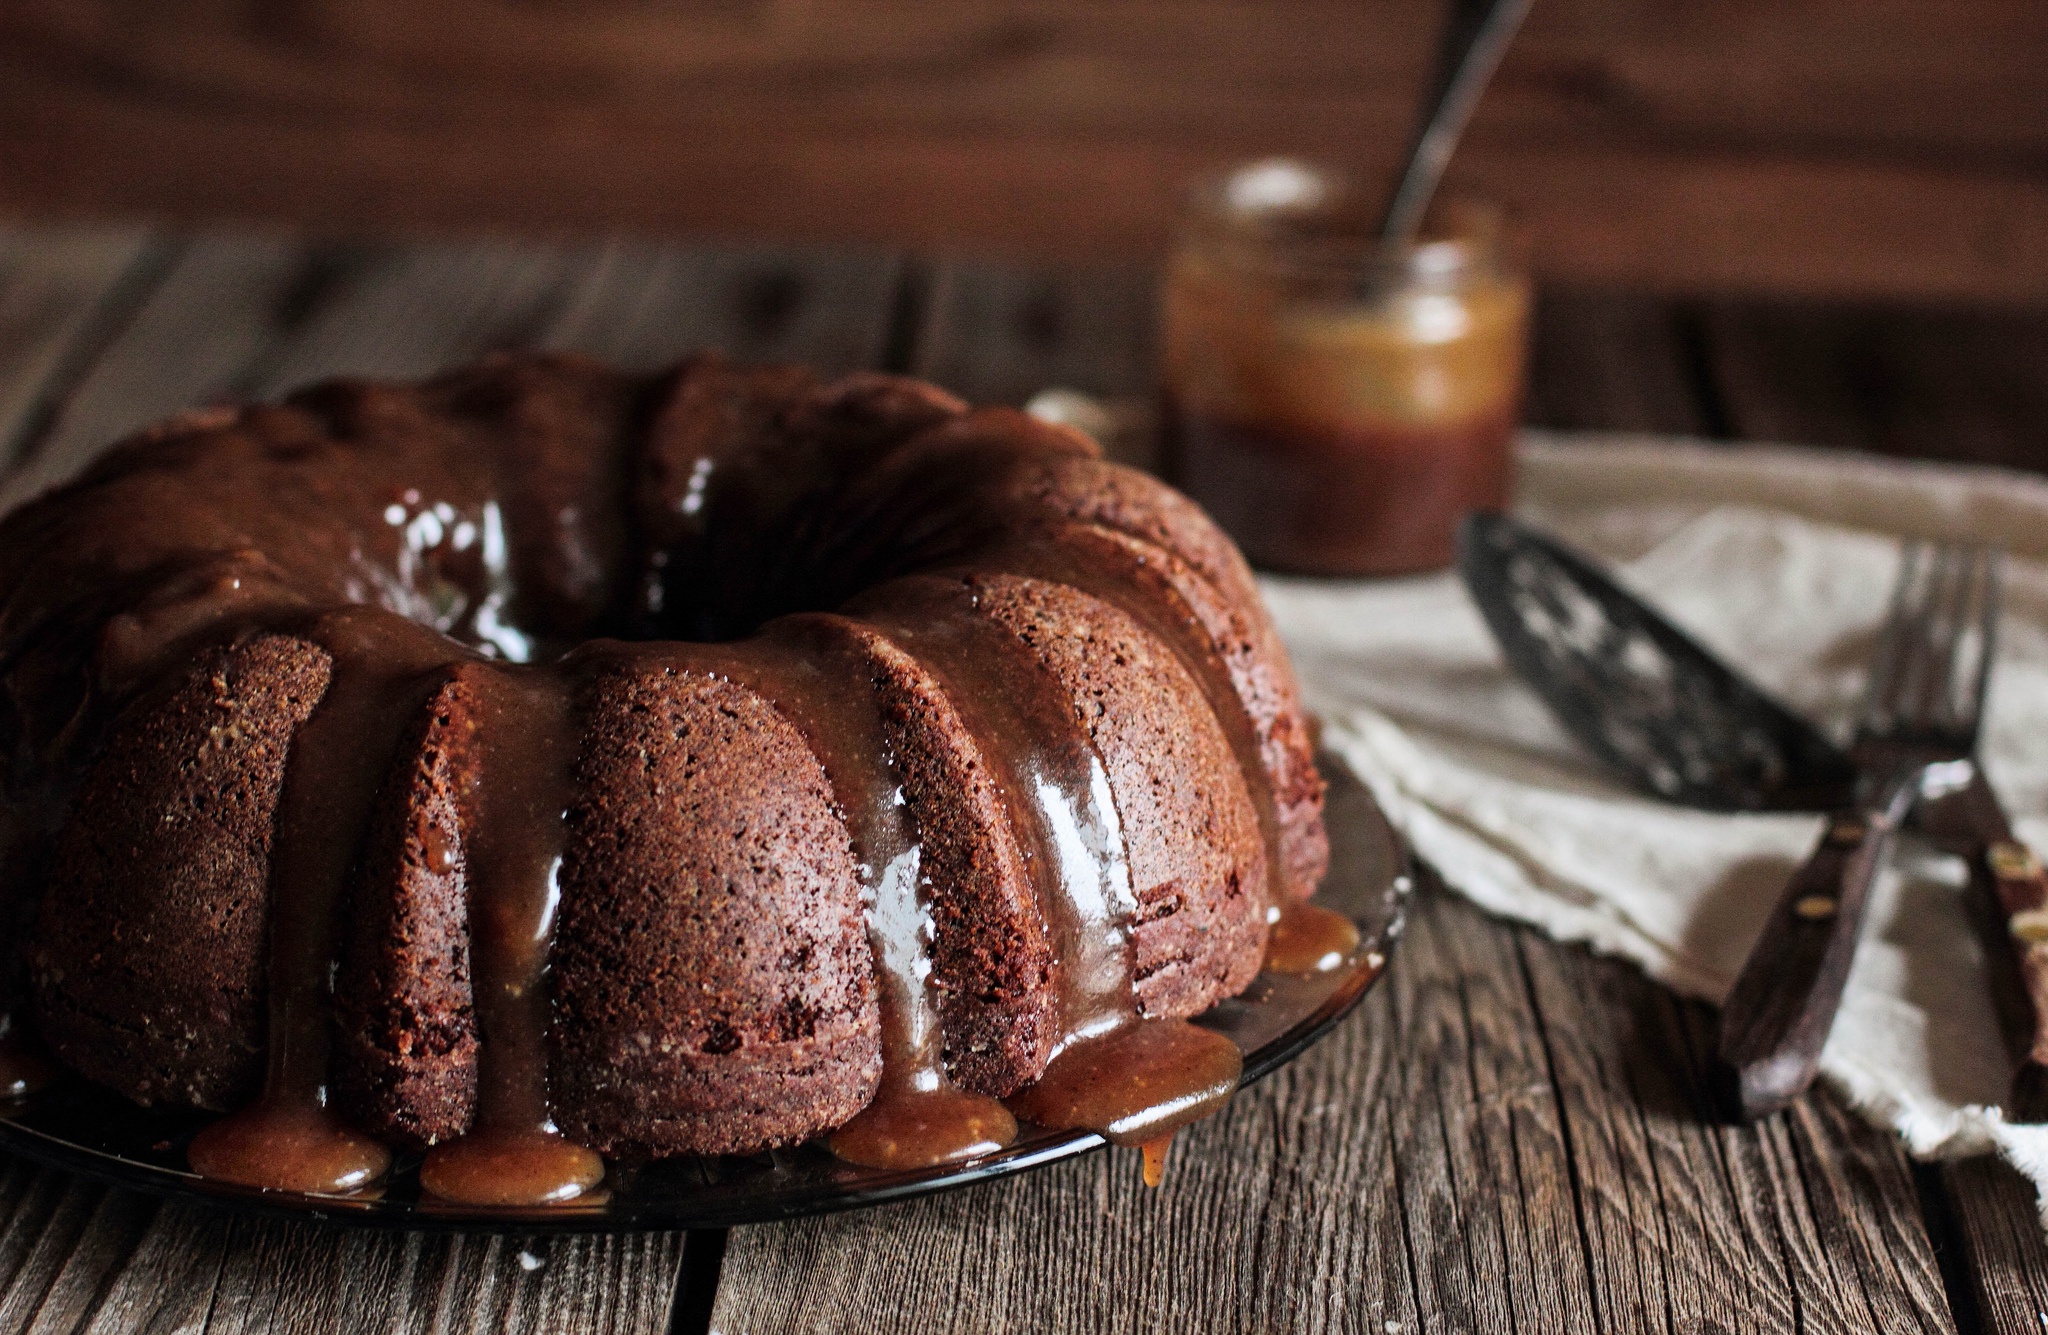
{"x":1475,"y":37}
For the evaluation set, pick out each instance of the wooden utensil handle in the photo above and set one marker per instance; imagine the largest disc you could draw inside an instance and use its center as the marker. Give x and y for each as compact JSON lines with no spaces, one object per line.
{"x":2021,"y":885}
{"x":1777,"y":1017}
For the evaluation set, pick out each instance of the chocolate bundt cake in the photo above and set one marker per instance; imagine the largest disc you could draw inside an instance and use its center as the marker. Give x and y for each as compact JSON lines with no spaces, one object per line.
{"x":543,"y":761}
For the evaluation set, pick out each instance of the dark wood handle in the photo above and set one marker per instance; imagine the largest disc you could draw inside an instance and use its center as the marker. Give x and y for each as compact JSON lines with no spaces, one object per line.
{"x":1777,"y":1017}
{"x":2022,"y":890}
{"x":2007,"y":904}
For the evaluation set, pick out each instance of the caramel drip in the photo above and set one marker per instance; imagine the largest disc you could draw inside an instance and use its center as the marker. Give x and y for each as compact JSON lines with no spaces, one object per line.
{"x":527,"y":734}
{"x":1155,"y":1159}
{"x":1148,"y":599}
{"x":1055,"y":788}
{"x":1139,"y":1082}
{"x":1309,"y":939}
{"x":287,"y":1140}
{"x":812,"y":669}
{"x":1131,"y":1079}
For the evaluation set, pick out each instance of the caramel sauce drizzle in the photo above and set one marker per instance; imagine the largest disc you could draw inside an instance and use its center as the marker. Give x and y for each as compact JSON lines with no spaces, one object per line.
{"x":1131,"y":1079}
{"x":512,"y":1154}
{"x":1307,"y":938}
{"x":1302,"y":938}
{"x":811,"y":668}
{"x":1146,"y":597}
{"x":287,"y":1140}
{"x":1155,"y":1159}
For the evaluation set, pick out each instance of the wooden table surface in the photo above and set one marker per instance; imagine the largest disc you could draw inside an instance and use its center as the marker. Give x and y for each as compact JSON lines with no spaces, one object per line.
{"x":1509,"y":1135}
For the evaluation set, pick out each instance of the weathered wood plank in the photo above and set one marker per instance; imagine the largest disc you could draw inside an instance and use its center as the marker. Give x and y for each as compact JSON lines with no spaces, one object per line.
{"x":54,"y":285}
{"x":219,"y":304}
{"x":2006,"y":1254}
{"x":1667,"y":1226}
{"x":79,"y":1257}
{"x":62,"y":1242}
{"x":251,"y":315}
{"x":277,"y":1277}
{"x":222,"y":301}
{"x":1614,"y":361}
{"x":642,"y":305}
{"x":1934,"y":383}
{"x":1860,"y":1192}
{"x":1000,"y":334}
{"x":1487,"y":1193}
{"x":1807,"y":146}
{"x":403,"y":311}
{"x":1807,"y":1222}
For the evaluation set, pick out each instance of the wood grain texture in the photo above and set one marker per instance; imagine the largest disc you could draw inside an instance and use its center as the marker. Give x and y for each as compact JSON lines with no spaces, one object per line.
{"x":56,"y":286}
{"x":1615,"y":361}
{"x":2007,"y":1260}
{"x":1480,"y":1148}
{"x":233,"y":317}
{"x":1942,"y":383}
{"x":1674,"y":1202}
{"x":643,"y":305}
{"x":78,"y":1257}
{"x":1822,"y":145}
{"x":999,"y":334}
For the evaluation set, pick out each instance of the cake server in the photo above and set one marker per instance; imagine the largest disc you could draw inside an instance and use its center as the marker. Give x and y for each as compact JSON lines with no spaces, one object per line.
{"x":1677,"y":723}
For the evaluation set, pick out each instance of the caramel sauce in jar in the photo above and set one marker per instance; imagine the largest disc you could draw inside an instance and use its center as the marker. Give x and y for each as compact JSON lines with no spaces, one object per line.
{"x":1336,"y":407}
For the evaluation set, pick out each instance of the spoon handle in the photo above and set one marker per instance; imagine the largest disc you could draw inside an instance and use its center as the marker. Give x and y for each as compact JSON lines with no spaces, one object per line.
{"x":1777,"y":1016}
{"x":1475,"y":37}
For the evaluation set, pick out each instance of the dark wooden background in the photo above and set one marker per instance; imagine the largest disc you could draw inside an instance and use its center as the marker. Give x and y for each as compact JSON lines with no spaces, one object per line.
{"x":1847,"y":147}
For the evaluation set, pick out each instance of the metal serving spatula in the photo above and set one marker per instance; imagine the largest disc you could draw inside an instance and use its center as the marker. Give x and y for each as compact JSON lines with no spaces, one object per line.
{"x":1678,"y":723}
{"x":1662,"y":712}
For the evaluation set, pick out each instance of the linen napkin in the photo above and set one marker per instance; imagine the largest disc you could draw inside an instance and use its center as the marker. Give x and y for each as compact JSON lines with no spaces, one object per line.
{"x":1781,"y":561}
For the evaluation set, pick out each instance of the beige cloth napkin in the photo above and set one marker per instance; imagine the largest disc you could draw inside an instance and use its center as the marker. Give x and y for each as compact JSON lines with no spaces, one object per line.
{"x":1780,"y":560}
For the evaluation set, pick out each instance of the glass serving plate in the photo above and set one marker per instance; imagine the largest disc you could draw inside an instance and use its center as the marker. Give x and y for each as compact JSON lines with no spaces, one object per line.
{"x":77,"y":1126}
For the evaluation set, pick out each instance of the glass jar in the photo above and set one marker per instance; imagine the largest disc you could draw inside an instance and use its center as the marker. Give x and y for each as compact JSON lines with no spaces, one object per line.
{"x":1337,"y":407}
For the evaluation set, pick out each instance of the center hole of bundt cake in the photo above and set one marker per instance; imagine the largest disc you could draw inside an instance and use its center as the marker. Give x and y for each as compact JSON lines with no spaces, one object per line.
{"x":531,"y":588}
{"x":538,"y":620}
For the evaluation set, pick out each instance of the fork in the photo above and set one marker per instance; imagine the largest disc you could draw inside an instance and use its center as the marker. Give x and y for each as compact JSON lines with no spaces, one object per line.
{"x":1915,"y":738}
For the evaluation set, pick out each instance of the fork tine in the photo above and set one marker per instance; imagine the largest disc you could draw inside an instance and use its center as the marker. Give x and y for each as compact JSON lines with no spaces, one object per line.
{"x":1979,"y":637}
{"x":1931,"y":672}
{"x":1880,"y":698}
{"x":1940,"y":627}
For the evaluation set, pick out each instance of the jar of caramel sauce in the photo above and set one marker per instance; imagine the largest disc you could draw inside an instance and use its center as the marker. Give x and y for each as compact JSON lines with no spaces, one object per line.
{"x":1336,"y":406}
